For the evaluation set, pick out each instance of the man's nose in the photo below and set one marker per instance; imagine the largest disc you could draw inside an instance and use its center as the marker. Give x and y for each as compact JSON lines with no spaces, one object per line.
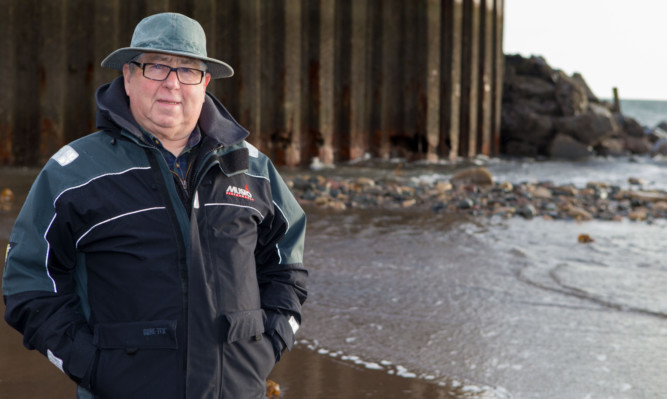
{"x":172,"y":79}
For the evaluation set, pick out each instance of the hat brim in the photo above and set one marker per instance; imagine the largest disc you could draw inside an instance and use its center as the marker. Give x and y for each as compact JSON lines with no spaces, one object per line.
{"x":120,"y":57}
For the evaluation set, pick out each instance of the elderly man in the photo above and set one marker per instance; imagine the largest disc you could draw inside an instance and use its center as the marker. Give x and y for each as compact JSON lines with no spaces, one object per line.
{"x":160,"y":257}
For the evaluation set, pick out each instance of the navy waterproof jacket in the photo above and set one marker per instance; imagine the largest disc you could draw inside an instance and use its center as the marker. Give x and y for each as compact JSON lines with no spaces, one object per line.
{"x":137,"y":287}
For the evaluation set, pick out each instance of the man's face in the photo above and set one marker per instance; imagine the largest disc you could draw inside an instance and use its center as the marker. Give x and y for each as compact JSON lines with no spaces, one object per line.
{"x":168,"y":109}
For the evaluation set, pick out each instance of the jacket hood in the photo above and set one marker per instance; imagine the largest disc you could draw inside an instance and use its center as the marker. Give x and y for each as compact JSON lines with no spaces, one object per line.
{"x":113,"y":113}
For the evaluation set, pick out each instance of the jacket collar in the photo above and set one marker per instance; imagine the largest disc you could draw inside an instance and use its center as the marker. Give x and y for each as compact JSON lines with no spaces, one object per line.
{"x":113,"y":114}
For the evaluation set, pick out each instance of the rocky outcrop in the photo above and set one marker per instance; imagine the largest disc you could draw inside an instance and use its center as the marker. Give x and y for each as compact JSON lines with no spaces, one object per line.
{"x":547,"y":113}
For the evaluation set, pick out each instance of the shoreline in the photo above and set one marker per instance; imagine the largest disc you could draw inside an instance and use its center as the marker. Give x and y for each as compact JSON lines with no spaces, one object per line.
{"x":473,"y":191}
{"x":307,"y":373}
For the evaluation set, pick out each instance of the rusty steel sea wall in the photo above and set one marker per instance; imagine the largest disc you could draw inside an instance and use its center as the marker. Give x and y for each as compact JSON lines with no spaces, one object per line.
{"x":333,"y":79}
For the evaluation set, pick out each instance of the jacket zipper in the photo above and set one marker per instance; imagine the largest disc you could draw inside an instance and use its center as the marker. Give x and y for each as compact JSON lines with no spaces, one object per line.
{"x":154,"y":157}
{"x":191,"y":182}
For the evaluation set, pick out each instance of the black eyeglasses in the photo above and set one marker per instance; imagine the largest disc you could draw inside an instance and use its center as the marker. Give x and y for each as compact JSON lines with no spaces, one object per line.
{"x":160,"y":72}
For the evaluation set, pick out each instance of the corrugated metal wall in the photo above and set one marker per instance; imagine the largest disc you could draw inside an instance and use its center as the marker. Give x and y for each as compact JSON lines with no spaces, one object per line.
{"x":334,"y":79}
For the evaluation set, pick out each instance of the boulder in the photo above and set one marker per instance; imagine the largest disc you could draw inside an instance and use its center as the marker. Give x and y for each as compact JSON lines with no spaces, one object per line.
{"x":479,"y":176}
{"x":534,"y":66}
{"x":546,"y":106}
{"x":525,"y":125}
{"x":637,"y":145}
{"x":630,"y":126}
{"x":589,"y":93}
{"x":659,"y":147}
{"x":531,"y":86}
{"x":540,"y":102}
{"x":519,"y":148}
{"x":589,"y":128}
{"x":657,"y":134}
{"x":566,"y":147}
{"x":611,"y":146}
{"x":570,"y":95}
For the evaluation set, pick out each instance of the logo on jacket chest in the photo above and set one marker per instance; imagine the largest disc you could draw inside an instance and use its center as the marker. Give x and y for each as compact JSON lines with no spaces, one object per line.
{"x":239,"y":192}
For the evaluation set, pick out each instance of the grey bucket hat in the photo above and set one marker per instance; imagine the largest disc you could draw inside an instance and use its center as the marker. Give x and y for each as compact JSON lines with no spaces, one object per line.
{"x":168,"y":33}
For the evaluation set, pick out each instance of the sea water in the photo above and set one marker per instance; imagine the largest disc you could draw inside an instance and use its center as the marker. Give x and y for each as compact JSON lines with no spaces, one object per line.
{"x":649,"y":113}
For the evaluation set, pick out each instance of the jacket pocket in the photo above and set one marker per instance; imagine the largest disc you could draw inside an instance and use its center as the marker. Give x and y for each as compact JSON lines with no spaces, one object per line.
{"x":137,"y":360}
{"x":155,"y":334}
{"x":247,"y":355}
{"x":246,"y":324}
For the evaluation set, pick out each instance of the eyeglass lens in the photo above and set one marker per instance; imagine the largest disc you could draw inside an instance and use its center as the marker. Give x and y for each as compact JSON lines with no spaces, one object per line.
{"x":188,"y":76}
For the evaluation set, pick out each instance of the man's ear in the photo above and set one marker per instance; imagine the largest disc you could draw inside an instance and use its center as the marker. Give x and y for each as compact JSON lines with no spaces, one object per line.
{"x":127,"y":74}
{"x":207,"y":79}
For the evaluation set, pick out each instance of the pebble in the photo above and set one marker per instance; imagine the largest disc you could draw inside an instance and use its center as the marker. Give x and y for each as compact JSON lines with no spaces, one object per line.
{"x":476,"y":193}
{"x":6,"y":199}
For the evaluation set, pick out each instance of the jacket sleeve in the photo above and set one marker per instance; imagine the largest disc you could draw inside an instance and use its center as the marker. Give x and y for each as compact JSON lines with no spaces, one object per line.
{"x":38,"y":285}
{"x":279,"y":258}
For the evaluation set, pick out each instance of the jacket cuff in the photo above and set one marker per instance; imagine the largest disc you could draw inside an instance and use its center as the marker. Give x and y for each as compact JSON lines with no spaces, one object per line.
{"x":82,"y":358}
{"x":285,"y":326}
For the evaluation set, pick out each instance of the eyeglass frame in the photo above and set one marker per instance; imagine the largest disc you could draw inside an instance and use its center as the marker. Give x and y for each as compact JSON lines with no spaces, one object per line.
{"x":171,"y":69}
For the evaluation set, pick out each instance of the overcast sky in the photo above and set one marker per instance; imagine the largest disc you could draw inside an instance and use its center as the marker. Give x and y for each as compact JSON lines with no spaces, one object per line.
{"x":612,"y":43}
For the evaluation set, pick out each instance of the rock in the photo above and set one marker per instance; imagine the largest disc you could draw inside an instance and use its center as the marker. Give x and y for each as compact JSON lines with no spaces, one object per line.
{"x":659,"y":147}
{"x":630,"y":126}
{"x":611,"y":146}
{"x":584,"y":239}
{"x":550,"y":207}
{"x":520,"y":149}
{"x":638,"y":215}
{"x":534,"y":66}
{"x":657,"y":134}
{"x":479,"y":176}
{"x":589,"y":93}
{"x":337,"y":205}
{"x":466,"y":203}
{"x":637,"y":145}
{"x":570,"y":95}
{"x":532,"y":86}
{"x":579,"y":213}
{"x":504,"y":210}
{"x":408,"y":203}
{"x":540,"y":192}
{"x":589,"y":128}
{"x":597,"y":200}
{"x":647,"y":196}
{"x":272,"y":390}
{"x":540,"y":102}
{"x":505,"y":186}
{"x":598,"y":185}
{"x":660,"y":206}
{"x":566,"y":147}
{"x":322,"y":201}
{"x":636,"y":181}
{"x":543,"y":106}
{"x":525,"y":125}
{"x":6,"y":199}
{"x":365,"y":182}
{"x":442,"y":187}
{"x":527,"y":211}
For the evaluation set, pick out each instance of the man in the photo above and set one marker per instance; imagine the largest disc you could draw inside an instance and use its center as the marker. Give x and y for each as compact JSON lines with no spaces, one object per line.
{"x":160,"y":257}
